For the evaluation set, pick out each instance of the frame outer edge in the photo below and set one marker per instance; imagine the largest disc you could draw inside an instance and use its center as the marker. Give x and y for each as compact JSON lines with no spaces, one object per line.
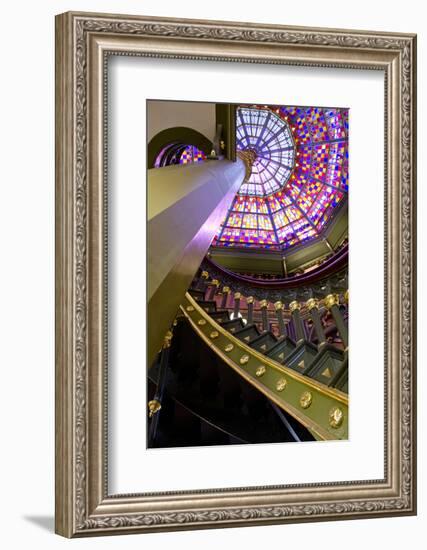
{"x":64,"y":276}
{"x":72,"y":483}
{"x":413,"y":264}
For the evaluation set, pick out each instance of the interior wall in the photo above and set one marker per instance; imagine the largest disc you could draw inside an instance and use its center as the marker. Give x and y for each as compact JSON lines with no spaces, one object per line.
{"x":169,"y":114}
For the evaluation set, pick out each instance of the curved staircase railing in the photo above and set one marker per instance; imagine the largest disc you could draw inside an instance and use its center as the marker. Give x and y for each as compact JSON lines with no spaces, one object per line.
{"x":318,"y":320}
{"x":322,"y":409}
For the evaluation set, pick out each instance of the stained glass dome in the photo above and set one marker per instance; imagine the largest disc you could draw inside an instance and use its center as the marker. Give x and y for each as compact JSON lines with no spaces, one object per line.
{"x":264,"y":141}
{"x":296,"y":176}
{"x":178,"y":153}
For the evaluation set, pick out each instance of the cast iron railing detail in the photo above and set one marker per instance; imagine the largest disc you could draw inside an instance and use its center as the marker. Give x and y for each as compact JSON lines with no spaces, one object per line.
{"x":321,"y":320}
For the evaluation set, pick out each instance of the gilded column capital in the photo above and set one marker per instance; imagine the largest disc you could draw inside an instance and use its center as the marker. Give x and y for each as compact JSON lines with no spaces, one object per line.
{"x":226,"y":290}
{"x":294,"y":306}
{"x":278,"y":305}
{"x":215,"y":282}
{"x":312,"y":303}
{"x":237,"y":295}
{"x":250,"y":300}
{"x":331,"y":300}
{"x":263,"y":303}
{"x":205,"y":275}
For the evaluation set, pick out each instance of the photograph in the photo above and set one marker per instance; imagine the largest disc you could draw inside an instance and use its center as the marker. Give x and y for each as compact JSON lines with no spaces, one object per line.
{"x":256,"y":198}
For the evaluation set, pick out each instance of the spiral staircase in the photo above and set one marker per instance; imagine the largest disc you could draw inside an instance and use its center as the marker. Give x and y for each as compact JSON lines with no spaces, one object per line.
{"x":235,"y":369}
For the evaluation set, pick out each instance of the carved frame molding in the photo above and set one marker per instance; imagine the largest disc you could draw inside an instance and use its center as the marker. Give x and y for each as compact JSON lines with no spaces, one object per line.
{"x":83,"y":43}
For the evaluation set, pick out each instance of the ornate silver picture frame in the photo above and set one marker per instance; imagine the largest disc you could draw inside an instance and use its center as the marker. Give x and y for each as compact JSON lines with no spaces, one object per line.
{"x":84,"y":42}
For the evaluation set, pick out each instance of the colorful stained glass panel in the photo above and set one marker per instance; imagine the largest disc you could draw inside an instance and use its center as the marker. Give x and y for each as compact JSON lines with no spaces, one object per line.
{"x":298,"y":178}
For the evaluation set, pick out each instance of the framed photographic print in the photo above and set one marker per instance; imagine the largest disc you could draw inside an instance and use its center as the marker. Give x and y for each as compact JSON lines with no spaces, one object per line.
{"x":235,"y":274}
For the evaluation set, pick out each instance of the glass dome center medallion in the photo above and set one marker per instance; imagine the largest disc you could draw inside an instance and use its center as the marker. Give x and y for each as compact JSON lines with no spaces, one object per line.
{"x":264,"y":142}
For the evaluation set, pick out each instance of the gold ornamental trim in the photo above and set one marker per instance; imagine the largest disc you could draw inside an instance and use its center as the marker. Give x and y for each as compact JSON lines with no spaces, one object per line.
{"x":244,"y":360}
{"x":336,"y":417}
{"x":312,"y":303}
{"x":237,"y":295}
{"x":281,"y":384}
{"x":331,"y":300}
{"x":261,"y":370}
{"x":226,"y":290}
{"x":263,"y":303}
{"x":154,"y":407}
{"x":294,"y":306}
{"x":250,"y":300}
{"x":306,"y":399}
{"x":278,"y":305}
{"x":205,"y":275}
